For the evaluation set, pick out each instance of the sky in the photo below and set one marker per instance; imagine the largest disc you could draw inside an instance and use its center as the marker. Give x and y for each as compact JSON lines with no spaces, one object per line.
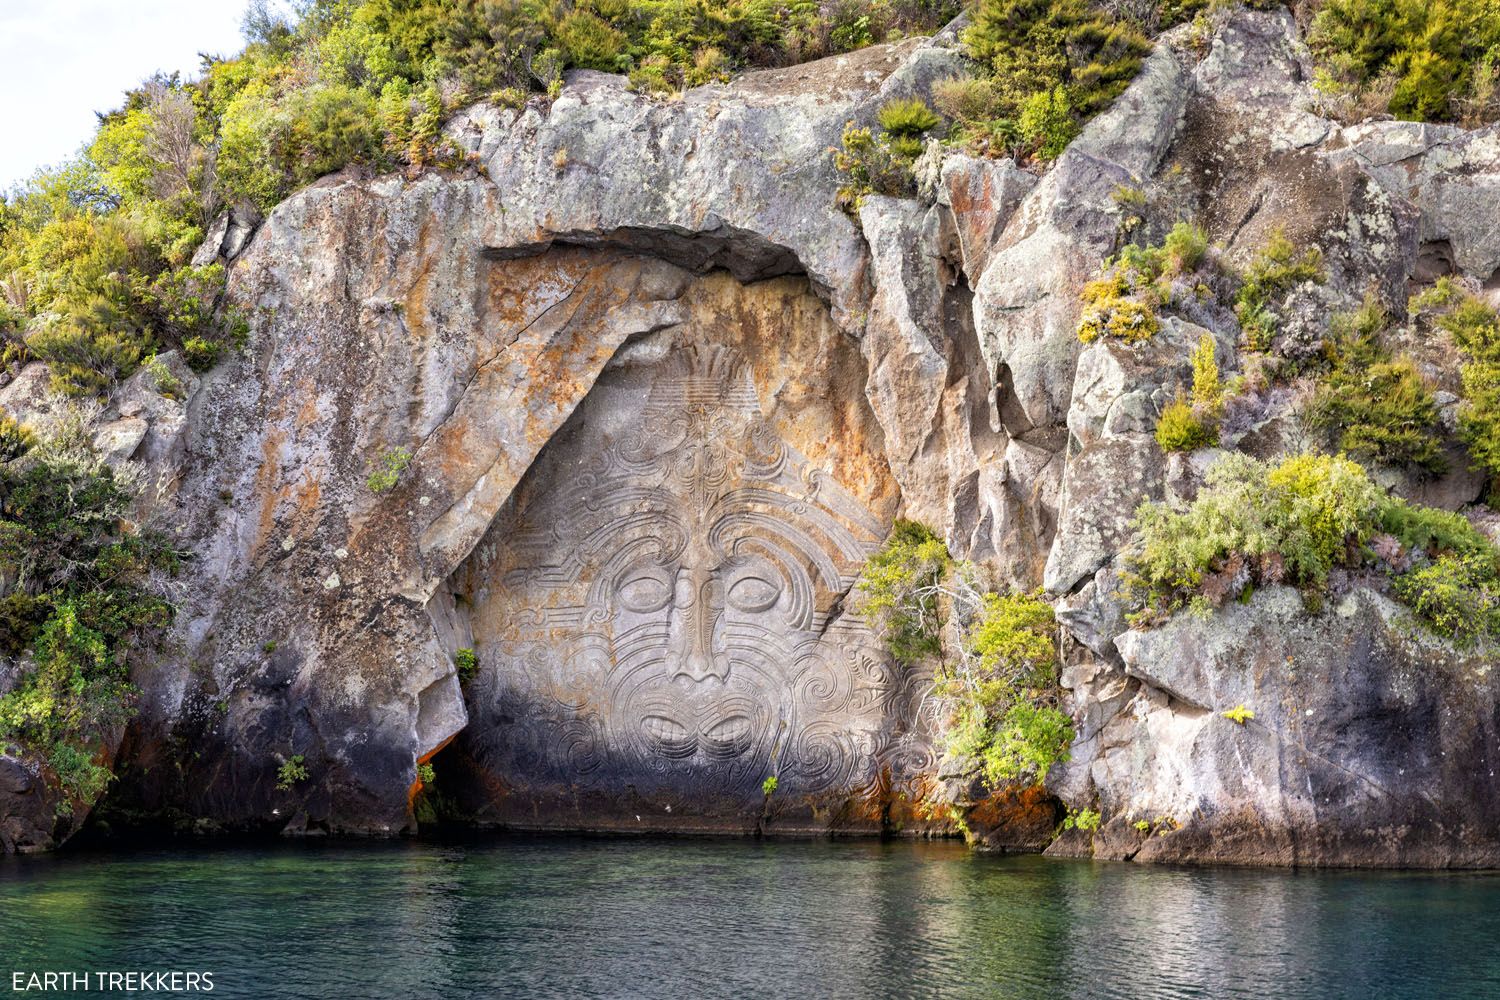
{"x":62,"y":60}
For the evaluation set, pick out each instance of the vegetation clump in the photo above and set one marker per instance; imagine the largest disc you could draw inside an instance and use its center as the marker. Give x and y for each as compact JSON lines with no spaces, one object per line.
{"x":78,"y":592}
{"x":1296,"y":522}
{"x":1474,"y":329}
{"x":881,"y":162}
{"x":1138,"y":282}
{"x":1275,"y":269}
{"x":466,"y":663}
{"x":996,"y":653}
{"x":1421,"y":60}
{"x":1186,"y":425}
{"x":292,"y":772}
{"x":387,"y":471}
{"x":1049,"y":66}
{"x":1378,"y":405}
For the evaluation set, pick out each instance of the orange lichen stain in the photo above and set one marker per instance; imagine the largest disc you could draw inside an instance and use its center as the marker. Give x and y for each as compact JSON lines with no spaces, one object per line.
{"x":417,"y":786}
{"x":1029,"y":808}
{"x":265,"y":490}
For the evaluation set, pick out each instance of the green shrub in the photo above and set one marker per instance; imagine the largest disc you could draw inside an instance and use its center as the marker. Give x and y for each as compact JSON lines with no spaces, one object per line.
{"x":1295,"y":522}
{"x":291,"y":772}
{"x":1038,"y":45}
{"x":1275,"y":270}
{"x":997,"y":673}
{"x":1457,"y":596}
{"x":16,"y":439}
{"x":467,"y":664}
{"x":1123,"y":302}
{"x":426,"y":774}
{"x":1435,"y":59}
{"x":907,"y":116}
{"x":1475,"y":329}
{"x":387,"y":472}
{"x":77,"y":594}
{"x":899,"y":589}
{"x":1380,"y":407}
{"x":1185,"y":427}
{"x":1003,"y":688}
{"x":1052,"y":65}
{"x":873,"y":164}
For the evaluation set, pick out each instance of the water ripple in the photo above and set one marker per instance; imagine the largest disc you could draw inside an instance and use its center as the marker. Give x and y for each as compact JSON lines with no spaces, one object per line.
{"x":692,"y":919}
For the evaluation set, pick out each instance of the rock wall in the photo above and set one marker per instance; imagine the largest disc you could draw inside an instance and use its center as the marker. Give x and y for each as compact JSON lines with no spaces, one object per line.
{"x":660,"y":398}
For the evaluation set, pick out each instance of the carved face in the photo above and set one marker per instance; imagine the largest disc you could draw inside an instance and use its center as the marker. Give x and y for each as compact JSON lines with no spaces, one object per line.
{"x":686,"y":561}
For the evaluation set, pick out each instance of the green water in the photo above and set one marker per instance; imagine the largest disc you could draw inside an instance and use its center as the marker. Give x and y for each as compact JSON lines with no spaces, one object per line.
{"x":689,"y":919}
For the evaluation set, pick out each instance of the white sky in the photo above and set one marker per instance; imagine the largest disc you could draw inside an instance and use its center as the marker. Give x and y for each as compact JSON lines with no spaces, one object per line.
{"x":62,"y":60}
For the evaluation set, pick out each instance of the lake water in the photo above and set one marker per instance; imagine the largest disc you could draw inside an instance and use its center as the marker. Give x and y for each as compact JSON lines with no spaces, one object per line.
{"x":690,"y":919}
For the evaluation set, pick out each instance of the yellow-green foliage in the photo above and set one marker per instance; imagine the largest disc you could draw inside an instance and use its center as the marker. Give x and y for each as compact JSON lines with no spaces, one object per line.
{"x":1123,"y":302}
{"x":898,"y":590}
{"x":1379,"y":406}
{"x":1005,"y":716}
{"x":387,"y":471}
{"x":1239,"y":715}
{"x":1425,"y":60}
{"x":292,"y":772}
{"x":880,"y":162}
{"x":75,"y":592}
{"x":94,"y":255}
{"x":1208,"y":388}
{"x":1275,"y":270}
{"x":1050,"y":65}
{"x":1185,"y":427}
{"x":1475,"y":329}
{"x":998,"y":669}
{"x":1295,"y":522}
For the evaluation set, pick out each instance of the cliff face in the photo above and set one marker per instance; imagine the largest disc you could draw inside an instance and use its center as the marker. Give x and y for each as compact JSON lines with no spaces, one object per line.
{"x":652,"y":399}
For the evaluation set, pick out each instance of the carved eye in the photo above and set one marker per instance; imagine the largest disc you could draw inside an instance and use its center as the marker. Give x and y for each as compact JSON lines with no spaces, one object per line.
{"x":753,"y":593}
{"x":644,"y":593}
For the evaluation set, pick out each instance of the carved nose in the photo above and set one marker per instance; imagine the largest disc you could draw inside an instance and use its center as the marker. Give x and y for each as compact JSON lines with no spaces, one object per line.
{"x":699,"y":609}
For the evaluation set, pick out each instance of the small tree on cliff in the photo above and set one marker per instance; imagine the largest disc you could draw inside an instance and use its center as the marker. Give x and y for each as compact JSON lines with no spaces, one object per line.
{"x":994,"y":655}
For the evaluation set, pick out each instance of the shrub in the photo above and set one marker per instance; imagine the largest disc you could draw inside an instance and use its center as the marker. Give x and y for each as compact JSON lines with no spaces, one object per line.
{"x":1436,"y":59}
{"x":1052,"y":65}
{"x":997,"y":670}
{"x":426,"y":774}
{"x":1183,"y":427}
{"x":1123,"y":302}
{"x":291,"y":772}
{"x":873,"y":164}
{"x":1295,"y":522}
{"x":1475,"y":329}
{"x":899,"y":589}
{"x":77,"y":593}
{"x":1380,"y":407}
{"x":388,"y":468}
{"x":908,"y":116}
{"x":1003,"y":685}
{"x":1275,"y":270}
{"x":467,"y":664}
{"x":1457,"y":596}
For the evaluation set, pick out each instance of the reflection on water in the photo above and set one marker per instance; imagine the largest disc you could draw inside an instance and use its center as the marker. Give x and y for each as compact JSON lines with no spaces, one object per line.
{"x":566,"y":918}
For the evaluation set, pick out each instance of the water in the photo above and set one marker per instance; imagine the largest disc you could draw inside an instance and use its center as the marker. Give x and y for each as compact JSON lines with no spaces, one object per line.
{"x":690,"y":919}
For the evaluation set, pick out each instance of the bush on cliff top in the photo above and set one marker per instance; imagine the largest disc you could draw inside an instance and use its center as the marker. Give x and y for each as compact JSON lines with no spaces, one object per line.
{"x":94,"y":254}
{"x":1422,"y":60}
{"x":1047,"y":66}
